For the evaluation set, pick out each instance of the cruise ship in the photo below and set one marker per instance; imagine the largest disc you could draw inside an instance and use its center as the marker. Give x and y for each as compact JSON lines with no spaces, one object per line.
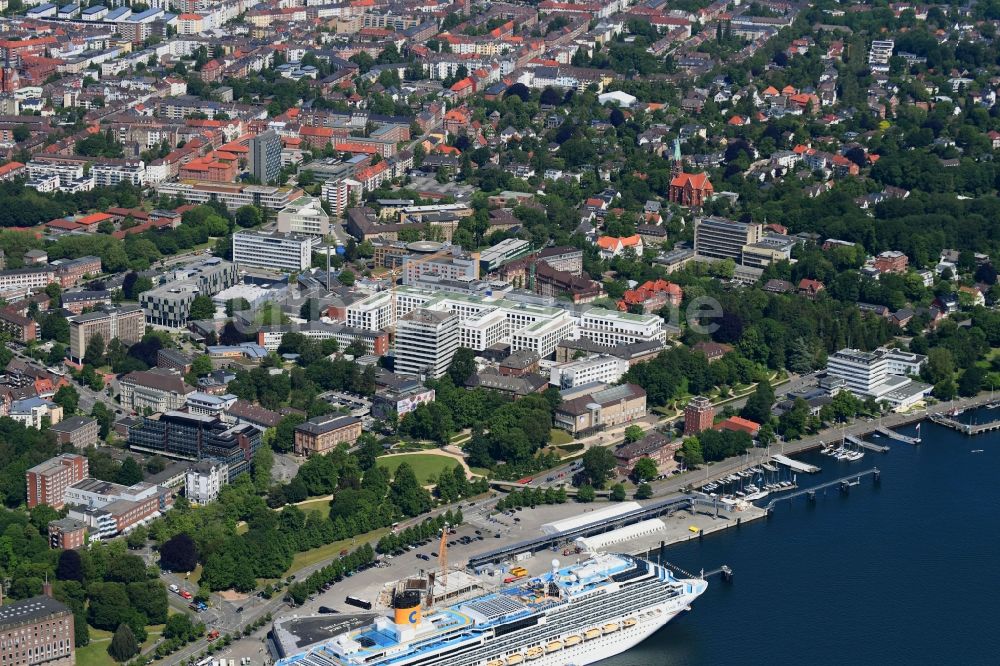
{"x":569,"y":616}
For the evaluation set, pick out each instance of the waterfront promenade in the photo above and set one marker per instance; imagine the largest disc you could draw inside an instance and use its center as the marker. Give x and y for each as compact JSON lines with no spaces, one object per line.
{"x":859,"y":428}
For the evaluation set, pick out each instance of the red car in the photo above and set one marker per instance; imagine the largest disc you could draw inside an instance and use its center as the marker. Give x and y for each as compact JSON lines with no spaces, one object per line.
{"x":185,"y":594}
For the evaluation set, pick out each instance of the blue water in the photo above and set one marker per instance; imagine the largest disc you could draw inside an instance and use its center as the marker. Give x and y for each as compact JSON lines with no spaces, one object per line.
{"x":903,"y":572}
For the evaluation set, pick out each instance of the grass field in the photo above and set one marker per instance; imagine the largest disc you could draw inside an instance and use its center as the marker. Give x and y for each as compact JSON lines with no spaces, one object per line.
{"x":332,"y":550}
{"x":425,"y":465}
{"x":96,"y":652}
{"x":321,"y":505}
{"x":560,"y":436}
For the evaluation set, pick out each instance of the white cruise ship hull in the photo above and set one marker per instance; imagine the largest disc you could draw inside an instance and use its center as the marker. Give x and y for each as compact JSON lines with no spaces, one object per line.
{"x":608,"y":645}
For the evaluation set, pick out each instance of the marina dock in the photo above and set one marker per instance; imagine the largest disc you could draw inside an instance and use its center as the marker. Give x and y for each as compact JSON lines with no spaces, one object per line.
{"x":965,"y":428}
{"x":877,"y":448}
{"x":795,"y":464}
{"x":844,"y":483}
{"x":892,"y":434}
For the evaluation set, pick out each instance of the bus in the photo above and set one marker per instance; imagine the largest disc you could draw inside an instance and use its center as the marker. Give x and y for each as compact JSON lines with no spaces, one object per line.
{"x":359,"y":603}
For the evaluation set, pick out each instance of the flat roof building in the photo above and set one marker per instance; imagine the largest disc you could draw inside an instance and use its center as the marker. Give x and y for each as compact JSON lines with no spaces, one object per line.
{"x":274,"y":250}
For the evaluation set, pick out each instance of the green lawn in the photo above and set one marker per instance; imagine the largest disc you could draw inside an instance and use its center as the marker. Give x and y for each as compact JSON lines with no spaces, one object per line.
{"x":322,"y":506}
{"x":425,"y":465}
{"x":332,"y":550}
{"x":560,"y":436}
{"x":96,"y":652}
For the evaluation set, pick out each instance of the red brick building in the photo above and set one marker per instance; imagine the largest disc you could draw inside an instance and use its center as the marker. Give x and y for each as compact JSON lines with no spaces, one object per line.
{"x":48,"y":481}
{"x":891,"y":261}
{"x":698,"y":415}
{"x":691,"y":189}
{"x":38,"y":630}
{"x":651,"y":296}
{"x":67,"y":534}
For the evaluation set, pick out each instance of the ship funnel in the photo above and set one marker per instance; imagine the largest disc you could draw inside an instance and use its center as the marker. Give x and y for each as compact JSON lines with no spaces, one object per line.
{"x":406,"y":607}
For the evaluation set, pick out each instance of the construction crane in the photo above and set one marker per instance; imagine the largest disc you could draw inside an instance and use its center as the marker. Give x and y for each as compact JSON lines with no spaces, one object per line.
{"x":443,"y":557}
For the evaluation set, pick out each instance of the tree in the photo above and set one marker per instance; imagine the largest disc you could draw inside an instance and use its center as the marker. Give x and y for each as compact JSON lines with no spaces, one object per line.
{"x":201,"y":365}
{"x":692,"y":453}
{"x":599,"y":464}
{"x":284,"y":433}
{"x":794,"y":422}
{"x":202,"y":307}
{"x":123,"y":646}
{"x":249,"y":216}
{"x":407,"y":493}
{"x":758,"y":405}
{"x":971,"y":381}
{"x":585,"y":493}
{"x":179,"y":626}
{"x":68,"y":398}
{"x":129,"y":473}
{"x":644,"y":470}
{"x":105,"y":419}
{"x":94,"y":354}
{"x":70,"y":566}
{"x":346,"y":277}
{"x":618,"y":493}
{"x":463,"y":365}
{"x":234,"y":305}
{"x":644,"y":491}
{"x":179,"y":553}
{"x":633,"y":433}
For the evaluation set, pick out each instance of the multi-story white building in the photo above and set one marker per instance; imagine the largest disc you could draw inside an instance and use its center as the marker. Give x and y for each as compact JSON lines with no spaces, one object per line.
{"x":604,"y":368}
{"x":35,"y":278}
{"x":880,"y":53}
{"x":373,"y":313}
{"x":861,"y":371}
{"x":611,"y":327}
{"x":233,"y":196}
{"x":207,"y":404}
{"x":484,"y":330}
{"x":905,"y":363}
{"x":341,"y":192}
{"x":426,"y":341}
{"x":273,"y":249}
{"x":879,"y":374}
{"x":204,"y":480}
{"x":456,"y":265}
{"x":542,"y":336}
{"x":109,"y":174}
{"x":305,"y":215}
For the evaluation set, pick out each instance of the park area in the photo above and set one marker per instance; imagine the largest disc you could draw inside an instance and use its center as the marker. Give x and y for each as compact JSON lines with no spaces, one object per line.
{"x":426,"y":466}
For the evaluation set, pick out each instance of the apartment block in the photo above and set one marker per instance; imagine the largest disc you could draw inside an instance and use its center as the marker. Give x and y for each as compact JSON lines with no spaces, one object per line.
{"x":233,"y":196}
{"x":47,"y":482}
{"x":127,"y":323}
{"x":79,"y":431}
{"x":204,"y":480}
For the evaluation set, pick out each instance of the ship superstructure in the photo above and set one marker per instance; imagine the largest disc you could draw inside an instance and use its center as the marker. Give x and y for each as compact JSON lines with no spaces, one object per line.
{"x":579,"y":614}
